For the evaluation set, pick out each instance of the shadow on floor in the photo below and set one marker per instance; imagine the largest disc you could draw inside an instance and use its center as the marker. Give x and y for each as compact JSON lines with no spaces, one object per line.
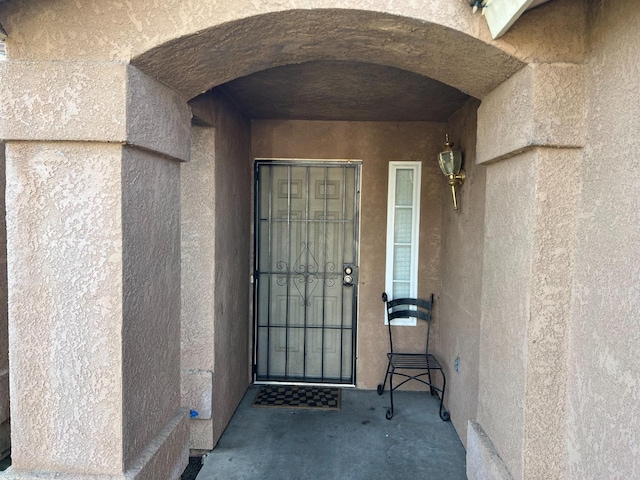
{"x":192,"y":470}
{"x":5,"y":463}
{"x":356,"y":442}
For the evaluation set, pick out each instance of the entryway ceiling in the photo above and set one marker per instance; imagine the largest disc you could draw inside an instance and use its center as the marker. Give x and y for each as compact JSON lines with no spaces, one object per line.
{"x":340,"y":90}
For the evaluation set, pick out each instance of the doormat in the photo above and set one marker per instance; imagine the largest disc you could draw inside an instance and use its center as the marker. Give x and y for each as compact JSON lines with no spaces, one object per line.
{"x":280,"y":396}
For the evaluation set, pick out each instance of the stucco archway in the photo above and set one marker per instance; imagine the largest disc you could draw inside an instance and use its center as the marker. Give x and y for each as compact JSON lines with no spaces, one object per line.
{"x":191,"y":49}
{"x":194,"y":63}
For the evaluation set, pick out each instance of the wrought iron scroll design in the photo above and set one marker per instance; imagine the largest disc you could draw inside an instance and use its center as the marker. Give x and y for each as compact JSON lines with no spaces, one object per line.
{"x":305,"y":272}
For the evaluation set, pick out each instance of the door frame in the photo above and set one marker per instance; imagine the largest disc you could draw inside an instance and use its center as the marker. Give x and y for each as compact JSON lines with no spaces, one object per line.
{"x":305,"y":162}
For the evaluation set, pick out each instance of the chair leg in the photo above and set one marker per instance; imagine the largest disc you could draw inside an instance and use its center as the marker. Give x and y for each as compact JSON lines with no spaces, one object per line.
{"x":431,"y":389}
{"x":383,"y":384}
{"x":444,"y":414}
{"x":389,"y":414}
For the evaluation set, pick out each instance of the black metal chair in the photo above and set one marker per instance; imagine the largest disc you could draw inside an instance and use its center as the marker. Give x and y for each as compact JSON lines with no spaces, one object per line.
{"x":413,"y":366}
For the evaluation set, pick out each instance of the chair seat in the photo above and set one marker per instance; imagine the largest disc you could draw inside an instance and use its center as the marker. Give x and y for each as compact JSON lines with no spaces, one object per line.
{"x":418,"y":361}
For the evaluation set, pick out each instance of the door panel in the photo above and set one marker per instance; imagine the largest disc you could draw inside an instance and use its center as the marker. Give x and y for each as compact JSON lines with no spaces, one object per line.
{"x":306,"y":234}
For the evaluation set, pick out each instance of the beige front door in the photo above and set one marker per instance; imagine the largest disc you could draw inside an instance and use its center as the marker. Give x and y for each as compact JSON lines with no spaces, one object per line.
{"x":306,"y":271}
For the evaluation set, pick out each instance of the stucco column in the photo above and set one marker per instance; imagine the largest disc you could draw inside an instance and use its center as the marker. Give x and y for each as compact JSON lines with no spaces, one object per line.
{"x":93,"y":233}
{"x":530,"y":133}
{"x":215,"y":229}
{"x":198,"y":285}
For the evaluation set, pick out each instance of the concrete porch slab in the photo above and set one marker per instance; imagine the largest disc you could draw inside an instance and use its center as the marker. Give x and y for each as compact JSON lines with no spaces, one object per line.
{"x":356,"y":442}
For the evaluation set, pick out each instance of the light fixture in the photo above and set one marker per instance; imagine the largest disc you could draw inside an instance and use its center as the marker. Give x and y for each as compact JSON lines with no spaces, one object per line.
{"x":450,"y":162}
{"x":483,"y":4}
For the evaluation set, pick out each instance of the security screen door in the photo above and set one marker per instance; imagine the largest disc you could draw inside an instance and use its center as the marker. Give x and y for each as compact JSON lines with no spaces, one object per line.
{"x":306,"y":271}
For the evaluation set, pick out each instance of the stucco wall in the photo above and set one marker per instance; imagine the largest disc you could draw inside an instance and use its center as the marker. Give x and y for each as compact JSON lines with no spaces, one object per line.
{"x":247,"y":37}
{"x":530,"y":227}
{"x":603,"y":421}
{"x":216,"y":305}
{"x":232,"y":263}
{"x":82,"y":34}
{"x":510,"y":192}
{"x":151,"y":289}
{"x":462,"y":251}
{"x":65,"y":305}
{"x":5,"y":428}
{"x":447,"y":31}
{"x":198,"y":286}
{"x":375,"y":143}
{"x":97,"y":388}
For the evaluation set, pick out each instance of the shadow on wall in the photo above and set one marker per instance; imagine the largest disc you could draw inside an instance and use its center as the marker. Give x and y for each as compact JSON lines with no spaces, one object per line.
{"x":5,"y":423}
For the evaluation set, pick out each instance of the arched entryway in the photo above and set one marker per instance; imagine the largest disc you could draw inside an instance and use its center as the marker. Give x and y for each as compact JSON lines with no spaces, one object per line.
{"x":372,"y":47}
{"x":179,"y":54}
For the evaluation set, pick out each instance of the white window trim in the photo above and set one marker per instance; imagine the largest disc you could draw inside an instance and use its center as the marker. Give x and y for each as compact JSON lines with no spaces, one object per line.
{"x":415,"y":232}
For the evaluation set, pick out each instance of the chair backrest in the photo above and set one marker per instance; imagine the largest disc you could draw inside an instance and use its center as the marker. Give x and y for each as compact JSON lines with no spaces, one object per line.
{"x":417,"y":308}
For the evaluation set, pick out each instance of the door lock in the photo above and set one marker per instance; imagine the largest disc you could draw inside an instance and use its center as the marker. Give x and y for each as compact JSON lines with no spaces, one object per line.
{"x":347,"y":279}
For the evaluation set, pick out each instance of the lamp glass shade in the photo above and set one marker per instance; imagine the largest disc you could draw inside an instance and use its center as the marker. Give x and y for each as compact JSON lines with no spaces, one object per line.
{"x":450,"y":162}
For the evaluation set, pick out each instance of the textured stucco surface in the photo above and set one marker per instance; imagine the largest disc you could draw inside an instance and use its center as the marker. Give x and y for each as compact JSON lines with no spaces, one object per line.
{"x":528,"y":272}
{"x":73,"y":260}
{"x":348,"y":91}
{"x":552,"y":33}
{"x":217,"y":218}
{"x":375,"y":143}
{"x":151,"y":288}
{"x":158,"y":119}
{"x":460,"y":298}
{"x":63,"y":101}
{"x":547,"y":335}
{"x":295,"y":36}
{"x":94,"y":342}
{"x":98,"y":101}
{"x":483,"y":460}
{"x":541,"y":105}
{"x":64,"y":241}
{"x":4,"y":326}
{"x":506,"y":285}
{"x":603,"y":418}
{"x":198,"y":287}
{"x":167,"y":455}
{"x":198,"y":250}
{"x":248,"y":36}
{"x":232,"y":203}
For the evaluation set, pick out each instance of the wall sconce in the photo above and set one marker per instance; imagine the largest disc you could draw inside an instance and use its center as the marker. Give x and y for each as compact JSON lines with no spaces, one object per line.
{"x":450,"y":163}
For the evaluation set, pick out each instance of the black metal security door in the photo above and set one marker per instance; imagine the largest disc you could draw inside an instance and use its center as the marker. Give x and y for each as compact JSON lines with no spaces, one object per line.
{"x":306,"y":271}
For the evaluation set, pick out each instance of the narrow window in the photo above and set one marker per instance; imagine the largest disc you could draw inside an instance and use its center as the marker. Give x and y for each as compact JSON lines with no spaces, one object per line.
{"x":403,"y":232}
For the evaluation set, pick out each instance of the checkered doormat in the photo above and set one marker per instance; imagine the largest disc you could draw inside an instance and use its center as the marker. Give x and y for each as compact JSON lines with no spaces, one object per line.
{"x":298,"y":397}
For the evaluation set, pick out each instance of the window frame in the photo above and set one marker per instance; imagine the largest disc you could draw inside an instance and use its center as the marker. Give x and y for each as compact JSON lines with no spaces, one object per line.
{"x":394,"y":166}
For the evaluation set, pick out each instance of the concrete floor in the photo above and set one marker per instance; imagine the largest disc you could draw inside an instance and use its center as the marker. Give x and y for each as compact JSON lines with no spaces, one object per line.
{"x":356,"y":442}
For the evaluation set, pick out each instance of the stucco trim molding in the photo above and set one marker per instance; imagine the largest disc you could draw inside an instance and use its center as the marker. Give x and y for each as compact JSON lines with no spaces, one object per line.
{"x":543,"y":105}
{"x":62,"y":101}
{"x":89,"y":101}
{"x":166,"y":456}
{"x":483,"y":460}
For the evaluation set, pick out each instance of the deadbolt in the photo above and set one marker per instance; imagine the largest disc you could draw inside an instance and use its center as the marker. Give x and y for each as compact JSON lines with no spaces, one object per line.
{"x":347,"y":279}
